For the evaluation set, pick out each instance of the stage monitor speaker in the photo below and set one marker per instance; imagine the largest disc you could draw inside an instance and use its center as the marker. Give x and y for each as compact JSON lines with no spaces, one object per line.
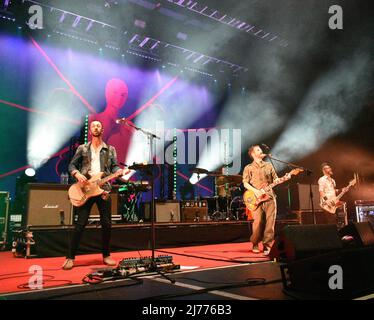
{"x":194,"y":210}
{"x":362,"y":234}
{"x":302,"y":241}
{"x":48,"y":205}
{"x":300,"y":197}
{"x":168,"y":211}
{"x":340,"y":274}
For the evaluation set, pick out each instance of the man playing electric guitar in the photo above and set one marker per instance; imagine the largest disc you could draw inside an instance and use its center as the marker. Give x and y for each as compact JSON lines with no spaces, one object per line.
{"x":328,"y":192}
{"x":256,"y":176}
{"x":90,"y":159}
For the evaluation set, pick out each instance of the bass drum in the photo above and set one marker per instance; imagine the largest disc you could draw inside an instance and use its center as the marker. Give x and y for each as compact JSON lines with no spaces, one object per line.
{"x":238,"y":209}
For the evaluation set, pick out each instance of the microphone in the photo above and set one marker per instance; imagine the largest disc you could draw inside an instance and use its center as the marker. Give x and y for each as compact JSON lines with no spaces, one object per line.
{"x":121,"y":120}
{"x":265,"y":146}
{"x":264,"y":155}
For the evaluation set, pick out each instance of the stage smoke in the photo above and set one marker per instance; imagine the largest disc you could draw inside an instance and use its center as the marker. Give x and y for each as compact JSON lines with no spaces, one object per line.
{"x":328,"y":109}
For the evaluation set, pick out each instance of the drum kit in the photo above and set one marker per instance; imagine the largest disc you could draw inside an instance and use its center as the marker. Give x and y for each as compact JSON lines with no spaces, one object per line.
{"x":227,"y":203}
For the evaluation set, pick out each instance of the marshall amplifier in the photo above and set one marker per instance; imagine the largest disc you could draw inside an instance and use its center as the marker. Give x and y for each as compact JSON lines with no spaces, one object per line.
{"x":48,"y":205}
{"x":194,"y":210}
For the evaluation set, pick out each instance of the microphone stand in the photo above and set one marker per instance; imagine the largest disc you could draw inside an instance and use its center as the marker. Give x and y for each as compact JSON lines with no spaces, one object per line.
{"x":151,"y":136}
{"x":308,"y":173}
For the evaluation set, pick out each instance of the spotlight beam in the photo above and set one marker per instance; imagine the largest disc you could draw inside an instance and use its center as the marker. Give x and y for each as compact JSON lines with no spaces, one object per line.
{"x":9,"y":173}
{"x":197,"y":183}
{"x":59,"y":153}
{"x":53,"y":65}
{"x":150,"y":101}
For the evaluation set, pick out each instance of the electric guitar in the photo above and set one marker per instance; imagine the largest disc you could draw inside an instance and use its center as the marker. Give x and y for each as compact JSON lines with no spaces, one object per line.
{"x":332,"y":205}
{"x":80,"y":192}
{"x":252,"y":202}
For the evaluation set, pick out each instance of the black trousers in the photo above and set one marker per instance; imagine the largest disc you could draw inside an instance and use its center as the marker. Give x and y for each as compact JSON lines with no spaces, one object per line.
{"x":83,"y":214}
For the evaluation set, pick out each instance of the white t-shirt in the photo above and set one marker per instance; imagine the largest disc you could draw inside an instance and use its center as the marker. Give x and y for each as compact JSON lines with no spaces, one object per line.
{"x":95,"y":160}
{"x":327,"y":185}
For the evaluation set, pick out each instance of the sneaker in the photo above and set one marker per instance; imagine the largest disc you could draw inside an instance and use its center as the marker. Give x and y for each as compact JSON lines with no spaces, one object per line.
{"x":68,"y":264}
{"x":255,"y":249}
{"x":109,"y":261}
{"x":266,"y":250}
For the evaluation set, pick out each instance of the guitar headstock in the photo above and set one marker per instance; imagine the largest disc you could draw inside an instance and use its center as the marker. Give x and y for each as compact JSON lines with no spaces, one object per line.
{"x":352,"y":182}
{"x":296,"y":171}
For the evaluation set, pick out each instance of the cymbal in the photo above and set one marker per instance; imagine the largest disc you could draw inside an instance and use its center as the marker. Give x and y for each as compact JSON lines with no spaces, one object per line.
{"x":237,"y":179}
{"x":140,"y":166}
{"x":214,"y":174}
{"x":199,"y":171}
{"x":229,"y":184}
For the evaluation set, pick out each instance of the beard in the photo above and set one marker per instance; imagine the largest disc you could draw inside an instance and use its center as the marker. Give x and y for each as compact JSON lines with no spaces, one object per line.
{"x":96,"y":134}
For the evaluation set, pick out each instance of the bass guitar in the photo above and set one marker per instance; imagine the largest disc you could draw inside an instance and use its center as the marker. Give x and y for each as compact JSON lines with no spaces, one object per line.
{"x":79,"y":192}
{"x":331,"y":205}
{"x":252,"y":202}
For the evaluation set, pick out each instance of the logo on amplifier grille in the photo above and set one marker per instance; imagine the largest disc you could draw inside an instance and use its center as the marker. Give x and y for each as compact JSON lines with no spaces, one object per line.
{"x":50,"y":206}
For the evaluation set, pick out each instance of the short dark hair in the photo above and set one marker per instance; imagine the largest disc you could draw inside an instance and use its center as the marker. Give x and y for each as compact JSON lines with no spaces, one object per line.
{"x":324,"y":164}
{"x":250,"y":150}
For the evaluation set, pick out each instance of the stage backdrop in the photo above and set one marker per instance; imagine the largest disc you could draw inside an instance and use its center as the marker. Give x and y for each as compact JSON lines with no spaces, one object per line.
{"x":46,"y":92}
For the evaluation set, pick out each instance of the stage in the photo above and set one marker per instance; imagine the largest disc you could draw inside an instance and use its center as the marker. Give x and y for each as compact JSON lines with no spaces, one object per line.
{"x":53,"y":241}
{"x":15,"y":271}
{"x":189,"y":128}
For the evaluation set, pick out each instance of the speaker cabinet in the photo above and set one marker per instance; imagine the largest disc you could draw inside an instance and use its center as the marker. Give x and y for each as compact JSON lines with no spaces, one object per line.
{"x":322,"y":217}
{"x":168,"y":211}
{"x":298,"y":241}
{"x":194,"y":210}
{"x":300,"y":197}
{"x":362,"y":233}
{"x":48,"y":204}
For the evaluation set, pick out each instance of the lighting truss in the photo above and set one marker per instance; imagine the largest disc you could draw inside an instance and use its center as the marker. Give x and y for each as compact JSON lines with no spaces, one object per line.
{"x":83,"y":28}
{"x":235,"y":23}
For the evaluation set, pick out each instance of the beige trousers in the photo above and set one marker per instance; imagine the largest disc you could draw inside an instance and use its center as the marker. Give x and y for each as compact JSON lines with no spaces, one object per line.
{"x":264,"y":223}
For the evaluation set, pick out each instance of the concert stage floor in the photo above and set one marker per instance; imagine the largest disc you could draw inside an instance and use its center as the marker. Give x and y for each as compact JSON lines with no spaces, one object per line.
{"x":14,"y":272}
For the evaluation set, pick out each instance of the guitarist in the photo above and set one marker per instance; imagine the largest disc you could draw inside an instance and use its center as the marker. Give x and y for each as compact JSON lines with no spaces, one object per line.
{"x":91,"y":158}
{"x":328,"y":191}
{"x":256,"y":175}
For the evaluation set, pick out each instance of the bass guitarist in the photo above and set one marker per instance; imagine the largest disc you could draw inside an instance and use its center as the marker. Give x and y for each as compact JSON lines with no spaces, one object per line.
{"x":256,"y":175}
{"x":328,"y":191}
{"x":92,"y":158}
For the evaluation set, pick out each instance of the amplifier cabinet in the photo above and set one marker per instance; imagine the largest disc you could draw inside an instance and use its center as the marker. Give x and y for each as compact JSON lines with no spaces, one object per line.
{"x":322,"y":217}
{"x":300,"y":197}
{"x":168,"y":211}
{"x":194,"y":210}
{"x":48,"y":205}
{"x":4,"y":216}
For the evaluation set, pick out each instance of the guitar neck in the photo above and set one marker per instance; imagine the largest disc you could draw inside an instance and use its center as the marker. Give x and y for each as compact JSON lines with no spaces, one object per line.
{"x":279,"y":181}
{"x":343,"y":193}
{"x":106,"y":179}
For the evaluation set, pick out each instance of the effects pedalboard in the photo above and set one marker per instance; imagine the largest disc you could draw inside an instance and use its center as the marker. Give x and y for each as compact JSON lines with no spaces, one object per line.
{"x":130,"y":266}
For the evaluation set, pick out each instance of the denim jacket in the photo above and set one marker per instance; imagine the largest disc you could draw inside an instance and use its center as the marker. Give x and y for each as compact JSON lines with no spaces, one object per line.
{"x":81,"y":161}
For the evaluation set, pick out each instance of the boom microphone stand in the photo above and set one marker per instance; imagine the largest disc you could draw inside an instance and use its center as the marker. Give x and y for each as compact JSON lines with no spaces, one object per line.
{"x":308,"y":173}
{"x":151,"y":136}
